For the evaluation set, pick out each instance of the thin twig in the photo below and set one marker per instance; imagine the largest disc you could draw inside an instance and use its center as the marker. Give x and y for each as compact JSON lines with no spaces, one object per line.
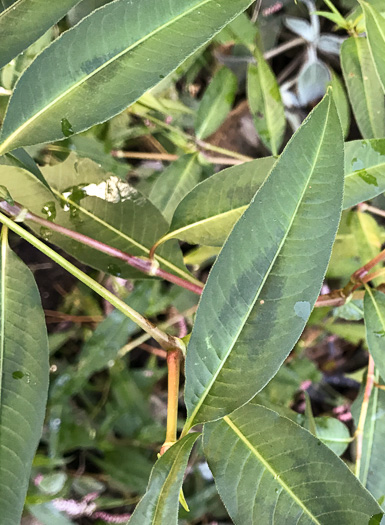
{"x":169,"y":157}
{"x":284,"y":47}
{"x":366,"y":207}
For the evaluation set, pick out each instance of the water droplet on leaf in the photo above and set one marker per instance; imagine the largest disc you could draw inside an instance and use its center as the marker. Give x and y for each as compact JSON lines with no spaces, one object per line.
{"x":66,"y":127}
{"x":302,"y":309}
{"x":18,"y":374}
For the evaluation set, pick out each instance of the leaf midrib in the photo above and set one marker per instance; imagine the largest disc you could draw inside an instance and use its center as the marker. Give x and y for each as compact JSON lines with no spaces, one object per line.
{"x":201,"y":3}
{"x":246,"y":316}
{"x":268,"y":467}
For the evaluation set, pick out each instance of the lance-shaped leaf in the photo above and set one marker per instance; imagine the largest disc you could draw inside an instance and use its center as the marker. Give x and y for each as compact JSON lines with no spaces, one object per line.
{"x":174,"y":183}
{"x":25,"y":21}
{"x":374,"y":315}
{"x":216,"y":103}
{"x":342,"y":102}
{"x":364,"y":170}
{"x":263,"y":286}
{"x":375,"y":29}
{"x":122,"y":49}
{"x":119,"y":216}
{"x":207,"y":214}
{"x":372,"y":460}
{"x":159,"y":506}
{"x":24,"y":370}
{"x":266,"y":104}
{"x":364,"y":89}
{"x":19,"y":157}
{"x":270,"y":470}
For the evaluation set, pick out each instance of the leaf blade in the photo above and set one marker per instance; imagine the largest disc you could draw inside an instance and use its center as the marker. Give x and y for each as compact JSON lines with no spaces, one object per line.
{"x":374,"y":315}
{"x":24,"y":370}
{"x":108,"y":64}
{"x":219,"y":357}
{"x":375,"y":28}
{"x":269,"y":472}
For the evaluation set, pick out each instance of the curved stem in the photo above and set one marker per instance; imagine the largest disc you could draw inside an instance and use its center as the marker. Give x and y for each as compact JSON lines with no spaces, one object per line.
{"x":166,"y":341}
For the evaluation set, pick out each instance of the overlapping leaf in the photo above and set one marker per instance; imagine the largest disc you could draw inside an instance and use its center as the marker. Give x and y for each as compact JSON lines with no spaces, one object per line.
{"x":364,"y":89}
{"x":24,"y":370}
{"x":267,"y":277}
{"x":270,"y":470}
{"x":122,"y":49}
{"x":25,"y":21}
{"x":121,"y":217}
{"x":159,"y":505}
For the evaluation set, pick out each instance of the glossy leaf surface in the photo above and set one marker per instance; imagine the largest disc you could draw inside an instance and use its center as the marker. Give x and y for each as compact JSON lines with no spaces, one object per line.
{"x":159,"y":505}
{"x":375,"y":28}
{"x":364,"y":89}
{"x":270,"y":470}
{"x":374,"y":315}
{"x":266,"y":104}
{"x":24,"y":370}
{"x":130,"y":47}
{"x":216,"y":103}
{"x":25,"y":21}
{"x":265,"y":281}
{"x":120,"y":216}
{"x":174,"y":183}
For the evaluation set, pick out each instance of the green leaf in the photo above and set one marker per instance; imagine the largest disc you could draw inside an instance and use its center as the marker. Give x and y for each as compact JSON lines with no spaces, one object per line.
{"x":266,"y":104}
{"x":333,"y":433}
{"x":372,"y":466}
{"x":19,"y":157}
{"x":216,"y":103}
{"x":270,"y":470}
{"x":140,"y":43}
{"x":24,"y":370}
{"x":374,"y":315}
{"x":364,"y":170}
{"x":159,"y":505}
{"x":375,"y":29}
{"x":341,"y":102}
{"x":25,"y":21}
{"x":207,"y":214}
{"x":174,"y":183}
{"x":367,"y":236}
{"x":262,"y":288}
{"x":364,"y":89}
{"x":121,"y":217}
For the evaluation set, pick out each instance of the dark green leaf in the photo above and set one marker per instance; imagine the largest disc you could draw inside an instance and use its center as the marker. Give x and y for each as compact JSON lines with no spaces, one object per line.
{"x":20,"y":158}
{"x":139,"y":44}
{"x":263,"y":286}
{"x":270,"y":470}
{"x":216,"y":103}
{"x":364,"y":89}
{"x":24,"y":370}
{"x":342,"y":103}
{"x":375,"y":29}
{"x":159,"y":505}
{"x":374,"y":315}
{"x":25,"y":21}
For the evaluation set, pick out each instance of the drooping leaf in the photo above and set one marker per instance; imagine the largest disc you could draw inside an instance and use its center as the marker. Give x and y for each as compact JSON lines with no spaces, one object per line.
{"x":374,"y":315}
{"x":364,"y":170}
{"x":365,"y":91}
{"x":159,"y":505}
{"x":140,"y":43}
{"x":24,"y":370}
{"x":25,"y":21}
{"x":372,"y":459}
{"x":19,"y":157}
{"x":375,"y":29}
{"x":174,"y":183}
{"x":216,"y":103}
{"x":262,"y":288}
{"x":366,"y":234}
{"x":207,"y":214}
{"x":270,"y":470}
{"x":266,"y":104}
{"x":119,"y":216}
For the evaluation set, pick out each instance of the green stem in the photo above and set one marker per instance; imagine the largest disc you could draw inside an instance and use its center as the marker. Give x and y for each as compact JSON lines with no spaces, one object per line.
{"x":333,"y":8}
{"x":166,"y":341}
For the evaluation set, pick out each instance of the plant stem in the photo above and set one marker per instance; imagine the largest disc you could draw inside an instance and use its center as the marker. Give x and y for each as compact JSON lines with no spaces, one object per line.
{"x":146,"y":266}
{"x":359,"y":433}
{"x":173,"y":365}
{"x":333,"y":8}
{"x":166,"y":341}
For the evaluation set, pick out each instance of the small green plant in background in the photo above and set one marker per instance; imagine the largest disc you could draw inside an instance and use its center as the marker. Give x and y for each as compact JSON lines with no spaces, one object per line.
{"x":79,"y":82}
